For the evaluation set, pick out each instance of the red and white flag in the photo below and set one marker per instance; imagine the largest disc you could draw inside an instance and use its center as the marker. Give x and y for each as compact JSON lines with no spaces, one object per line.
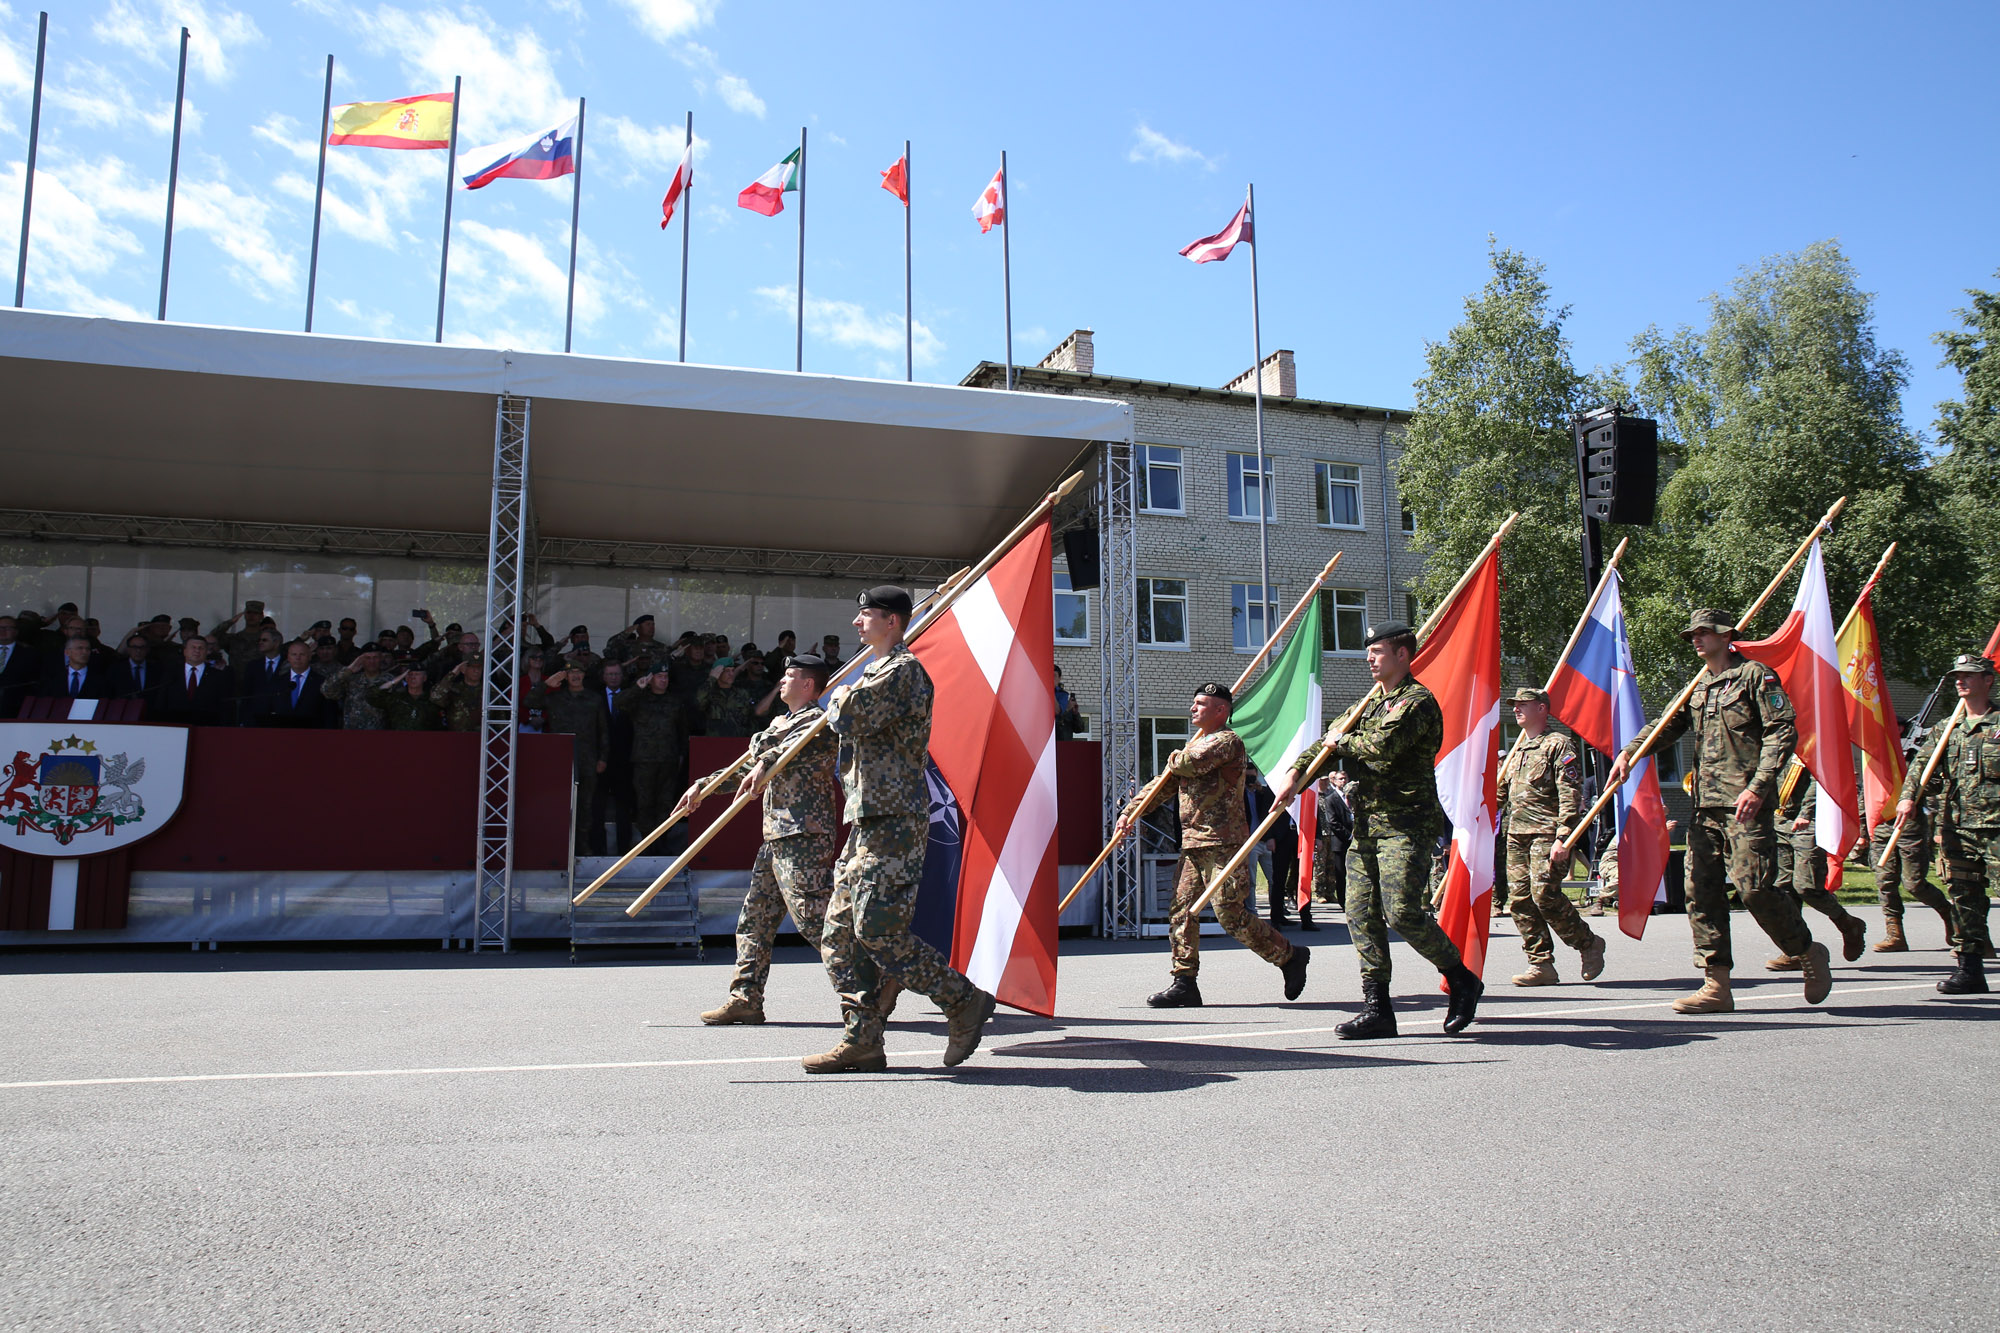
{"x":1211,"y":248}
{"x":1460,"y":665}
{"x":1305,"y":813}
{"x":1807,"y":661}
{"x":991,"y":660}
{"x":678,"y":185}
{"x":896,"y":180}
{"x":991,"y":208}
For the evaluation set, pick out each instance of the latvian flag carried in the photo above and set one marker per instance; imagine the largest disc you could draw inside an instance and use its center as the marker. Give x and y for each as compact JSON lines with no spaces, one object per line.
{"x":1279,"y":716}
{"x":1211,"y":248}
{"x":1596,"y":695}
{"x":991,"y":660}
{"x":532,"y":157}
{"x":1460,"y":666}
{"x":767,"y":193}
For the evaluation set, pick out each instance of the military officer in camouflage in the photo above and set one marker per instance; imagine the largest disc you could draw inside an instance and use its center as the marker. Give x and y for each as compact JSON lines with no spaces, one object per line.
{"x":1208,"y":776}
{"x":353,"y":689}
{"x":1802,"y":866}
{"x":1904,"y":868}
{"x":405,"y":703}
{"x":1544,"y":781}
{"x":794,"y":867}
{"x":1966,"y":784}
{"x":581,"y":713}
{"x":883,"y":720}
{"x":1746,"y":732}
{"x":659,"y":745}
{"x":458,"y":694}
{"x":1607,"y":880}
{"x":1391,"y":761}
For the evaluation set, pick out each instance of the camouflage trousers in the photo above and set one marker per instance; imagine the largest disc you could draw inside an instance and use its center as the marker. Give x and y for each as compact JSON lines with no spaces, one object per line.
{"x":656,"y":786}
{"x":1905,"y":867}
{"x":1536,"y":899}
{"x":1796,"y":853}
{"x":867,"y":928}
{"x":1719,"y":842}
{"x":1232,"y":911}
{"x":1388,"y":877}
{"x":1330,"y":873}
{"x":1971,"y":866}
{"x":792,"y":874}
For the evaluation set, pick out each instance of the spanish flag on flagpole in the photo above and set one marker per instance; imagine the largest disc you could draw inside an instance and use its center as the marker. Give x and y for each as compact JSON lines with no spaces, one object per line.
{"x":423,"y":121}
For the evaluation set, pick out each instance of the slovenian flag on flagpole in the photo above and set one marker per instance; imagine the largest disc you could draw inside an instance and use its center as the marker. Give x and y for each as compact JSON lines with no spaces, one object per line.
{"x":1596,"y":694}
{"x":678,"y":185}
{"x":766,"y":194}
{"x":1279,"y":716}
{"x":532,"y":157}
{"x":1208,"y":249}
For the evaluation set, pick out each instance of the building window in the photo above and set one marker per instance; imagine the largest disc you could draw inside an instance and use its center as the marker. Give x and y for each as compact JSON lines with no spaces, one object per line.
{"x":1158,"y":738}
{"x":1160,"y":479}
{"x":1243,"y":502}
{"x":1163,"y":616}
{"x":1409,"y":522}
{"x":1339,"y":494}
{"x":1072,"y":612}
{"x":1082,"y":732}
{"x":1251,"y":616}
{"x":1413,"y":610}
{"x":1343,"y":620}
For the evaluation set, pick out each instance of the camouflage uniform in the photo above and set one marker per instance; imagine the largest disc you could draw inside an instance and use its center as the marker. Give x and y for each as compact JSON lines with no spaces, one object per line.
{"x":726,"y":712}
{"x":659,"y":751}
{"x":1209,"y":776}
{"x":1391,"y":762}
{"x":354,"y":691}
{"x":1801,"y":860}
{"x":581,"y":714}
{"x":1967,"y":787}
{"x":1542,"y":805}
{"x":402,"y":711}
{"x":1607,"y":877}
{"x":1905,"y":867}
{"x":794,"y":867}
{"x":459,"y":700}
{"x":884,"y":725}
{"x":1746,"y":732}
{"x":644,"y":654}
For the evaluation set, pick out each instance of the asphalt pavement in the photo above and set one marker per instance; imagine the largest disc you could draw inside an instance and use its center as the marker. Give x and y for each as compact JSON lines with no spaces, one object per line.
{"x":439,"y":1141}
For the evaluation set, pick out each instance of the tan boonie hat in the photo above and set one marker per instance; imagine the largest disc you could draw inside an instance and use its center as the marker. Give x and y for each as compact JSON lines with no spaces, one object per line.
{"x":1710,"y":619}
{"x":1527,"y":694}
{"x":1970,"y":664}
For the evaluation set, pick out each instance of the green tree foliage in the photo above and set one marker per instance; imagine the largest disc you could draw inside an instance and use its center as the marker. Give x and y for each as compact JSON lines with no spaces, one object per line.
{"x":1969,"y":430}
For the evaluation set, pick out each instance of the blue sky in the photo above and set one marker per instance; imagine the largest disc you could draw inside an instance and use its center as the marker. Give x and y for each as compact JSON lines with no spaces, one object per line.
{"x":1644,"y":154}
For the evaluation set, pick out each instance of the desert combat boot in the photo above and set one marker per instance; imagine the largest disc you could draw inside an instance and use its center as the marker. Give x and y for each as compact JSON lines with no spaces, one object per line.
{"x":1712,"y":998}
{"x":848,"y":1058}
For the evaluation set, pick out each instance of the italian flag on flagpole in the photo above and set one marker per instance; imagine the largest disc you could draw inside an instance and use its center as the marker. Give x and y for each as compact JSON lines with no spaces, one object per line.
{"x":766,"y":194}
{"x":1279,"y":716}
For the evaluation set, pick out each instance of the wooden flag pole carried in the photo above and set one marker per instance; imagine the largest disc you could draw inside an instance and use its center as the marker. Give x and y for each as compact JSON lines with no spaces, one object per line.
{"x":708,"y":786}
{"x":1346,"y":723}
{"x":1150,"y":797}
{"x":943,"y":603}
{"x":1680,"y":700}
{"x":1596,"y":595}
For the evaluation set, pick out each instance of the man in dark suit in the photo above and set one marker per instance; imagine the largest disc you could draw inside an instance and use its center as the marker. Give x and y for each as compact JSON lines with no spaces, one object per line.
{"x":293,"y":698}
{"x":197,"y":694}
{"x":258,"y":675}
{"x":137,"y":676}
{"x":20,"y":668}
{"x":73,"y":677}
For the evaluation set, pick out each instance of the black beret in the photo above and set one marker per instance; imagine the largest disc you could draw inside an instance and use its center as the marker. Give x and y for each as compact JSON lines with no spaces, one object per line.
{"x":1388,"y":629}
{"x":579,"y":629}
{"x":807,"y":662}
{"x":1215,"y":689}
{"x":162,"y":619}
{"x":643,"y":620}
{"x":888,"y":598}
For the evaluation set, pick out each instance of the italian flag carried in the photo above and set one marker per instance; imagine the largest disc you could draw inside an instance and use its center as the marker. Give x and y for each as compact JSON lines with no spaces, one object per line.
{"x":766,"y":194}
{"x":1279,"y":716}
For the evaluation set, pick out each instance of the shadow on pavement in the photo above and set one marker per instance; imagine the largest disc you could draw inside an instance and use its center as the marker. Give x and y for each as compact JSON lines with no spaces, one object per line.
{"x":1107,"y":1065}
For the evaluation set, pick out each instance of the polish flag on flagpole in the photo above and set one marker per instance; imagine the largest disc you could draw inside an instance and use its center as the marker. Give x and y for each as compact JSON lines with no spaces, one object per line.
{"x":991,"y":660}
{"x":1804,"y":655}
{"x":677,"y":186}
{"x":1460,"y":665}
{"x":990,"y":210}
{"x":1211,"y":248}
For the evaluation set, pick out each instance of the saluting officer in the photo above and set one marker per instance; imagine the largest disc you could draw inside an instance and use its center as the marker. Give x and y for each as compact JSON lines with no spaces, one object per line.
{"x":1967,"y":786}
{"x":1543,"y":786}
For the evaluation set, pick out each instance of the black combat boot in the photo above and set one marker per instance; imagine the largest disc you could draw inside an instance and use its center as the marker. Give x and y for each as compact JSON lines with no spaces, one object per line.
{"x":1969,"y":979}
{"x":1465,"y":992}
{"x":1295,"y":971}
{"x":1376,"y":1019}
{"x":1183,"y":994}
{"x":1306,"y":916}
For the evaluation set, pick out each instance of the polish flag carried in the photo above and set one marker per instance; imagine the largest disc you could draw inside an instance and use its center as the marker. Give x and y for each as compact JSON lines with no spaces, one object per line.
{"x":991,"y":660}
{"x":1460,"y":665}
{"x":1804,"y":655}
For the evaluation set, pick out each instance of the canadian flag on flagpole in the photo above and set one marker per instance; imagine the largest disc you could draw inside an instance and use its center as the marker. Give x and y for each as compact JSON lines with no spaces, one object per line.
{"x":1460,"y":666}
{"x":991,"y":208}
{"x":991,"y":660}
{"x":1804,"y":655}
{"x":677,"y":186}
{"x":896,"y":180}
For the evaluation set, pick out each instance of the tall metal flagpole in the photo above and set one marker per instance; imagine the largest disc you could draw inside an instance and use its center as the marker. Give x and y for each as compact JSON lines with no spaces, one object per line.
{"x":909,"y":325}
{"x":575,"y":212}
{"x":450,"y":170}
{"x":319,"y":191}
{"x":1006,"y":262}
{"x":173,"y":174}
{"x":799,"y":356}
{"x":1257,"y":378}
{"x":687,"y":224}
{"x":34,"y":142}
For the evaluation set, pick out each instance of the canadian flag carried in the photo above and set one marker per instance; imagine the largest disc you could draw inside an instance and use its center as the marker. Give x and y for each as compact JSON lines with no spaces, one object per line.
{"x":991,"y":660}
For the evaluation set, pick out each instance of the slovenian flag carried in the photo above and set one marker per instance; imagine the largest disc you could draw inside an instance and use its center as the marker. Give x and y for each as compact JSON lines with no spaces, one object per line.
{"x":532,"y":157}
{"x":1596,"y":695}
{"x":1279,"y":716}
{"x":767,"y":193}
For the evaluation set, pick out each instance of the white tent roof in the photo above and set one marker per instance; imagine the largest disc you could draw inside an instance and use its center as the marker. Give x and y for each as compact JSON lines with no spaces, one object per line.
{"x":187,"y":421}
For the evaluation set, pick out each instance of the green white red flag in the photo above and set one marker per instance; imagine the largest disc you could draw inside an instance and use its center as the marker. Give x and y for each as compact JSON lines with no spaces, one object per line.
{"x":767,"y":193}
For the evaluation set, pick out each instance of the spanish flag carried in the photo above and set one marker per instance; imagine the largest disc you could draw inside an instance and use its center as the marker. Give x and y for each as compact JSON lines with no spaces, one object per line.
{"x":423,"y":121}
{"x":1870,"y":719}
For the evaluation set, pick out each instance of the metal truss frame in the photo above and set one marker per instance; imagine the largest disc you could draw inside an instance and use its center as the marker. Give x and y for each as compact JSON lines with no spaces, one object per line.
{"x":1118,"y":664}
{"x":508,"y":547}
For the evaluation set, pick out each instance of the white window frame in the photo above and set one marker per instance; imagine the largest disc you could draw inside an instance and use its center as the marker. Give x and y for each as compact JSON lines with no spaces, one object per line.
{"x":1330,"y":623}
{"x":1323,"y":483}
{"x":1146,"y":464}
{"x":1236,"y":491}
{"x":1186,"y":599}
{"x":1241,"y":593}
{"x":1060,"y":579}
{"x":1151,"y":757}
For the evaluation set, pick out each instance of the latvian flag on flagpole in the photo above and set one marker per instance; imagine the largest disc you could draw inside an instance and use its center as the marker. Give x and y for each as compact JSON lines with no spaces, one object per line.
{"x":766,"y":194}
{"x":1460,"y":665}
{"x":1279,"y":716}
{"x":532,"y":157}
{"x":1596,"y":695}
{"x":991,"y":660}
{"x":678,"y":185}
{"x":1803,"y":654}
{"x":1211,"y":248}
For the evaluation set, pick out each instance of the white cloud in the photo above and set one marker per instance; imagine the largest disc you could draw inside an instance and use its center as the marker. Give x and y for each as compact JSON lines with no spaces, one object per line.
{"x":733,"y":90}
{"x":847,"y":324}
{"x":75,"y":240}
{"x":97,"y":97}
{"x":647,"y":150}
{"x":152,"y":32}
{"x":511,"y":85}
{"x":238,"y":222}
{"x":664,"y":20}
{"x":17,"y":71}
{"x":1149,"y":145}
{"x":368,"y":193}
{"x":500,"y":276}
{"x":375,"y":323}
